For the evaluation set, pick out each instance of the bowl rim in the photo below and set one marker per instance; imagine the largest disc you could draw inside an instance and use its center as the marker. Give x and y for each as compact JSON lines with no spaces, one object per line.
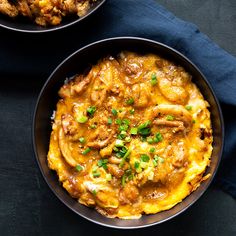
{"x":57,"y":27}
{"x":222,"y":127}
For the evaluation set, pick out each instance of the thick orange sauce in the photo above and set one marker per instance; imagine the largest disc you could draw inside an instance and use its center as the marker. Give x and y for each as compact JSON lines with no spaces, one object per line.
{"x":131,"y":137}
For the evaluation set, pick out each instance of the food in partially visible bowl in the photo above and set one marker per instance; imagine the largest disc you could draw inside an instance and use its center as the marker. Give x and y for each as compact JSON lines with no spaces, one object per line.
{"x":44,"y":15}
{"x":131,"y":136}
{"x":119,"y":127}
{"x":45,"y":12}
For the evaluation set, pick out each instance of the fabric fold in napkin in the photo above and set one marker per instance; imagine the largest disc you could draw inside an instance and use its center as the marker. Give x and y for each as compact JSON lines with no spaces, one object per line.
{"x":36,"y":55}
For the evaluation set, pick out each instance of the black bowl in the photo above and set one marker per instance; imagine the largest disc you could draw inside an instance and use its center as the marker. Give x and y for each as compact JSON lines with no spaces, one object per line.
{"x":77,"y":62}
{"x":23,"y":24}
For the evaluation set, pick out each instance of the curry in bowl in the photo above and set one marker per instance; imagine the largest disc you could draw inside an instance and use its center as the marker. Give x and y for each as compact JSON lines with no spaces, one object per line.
{"x":45,"y":12}
{"x":131,"y":136}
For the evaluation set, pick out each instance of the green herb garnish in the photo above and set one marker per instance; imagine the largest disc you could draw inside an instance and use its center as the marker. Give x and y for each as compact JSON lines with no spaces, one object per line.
{"x":109,"y":121}
{"x":158,"y":137}
{"x":136,"y":164}
{"x":96,"y":174}
{"x":82,"y":119}
{"x":82,"y":140}
{"x":144,"y":158}
{"x":134,"y":131}
{"x":93,"y":126}
{"x":188,"y":107}
{"x":131,"y":111}
{"x":103,"y":163}
{"x":152,"y":150}
{"x":86,"y":151}
{"x":114,"y":112}
{"x":79,"y":168}
{"x":123,"y":127}
{"x":128,"y":152}
{"x":150,"y":140}
{"x":128,"y":139}
{"x":91,"y":110}
{"x":144,"y":129}
{"x":130,"y":101}
{"x":170,"y":118}
{"x":153,"y":79}
{"x":118,"y":121}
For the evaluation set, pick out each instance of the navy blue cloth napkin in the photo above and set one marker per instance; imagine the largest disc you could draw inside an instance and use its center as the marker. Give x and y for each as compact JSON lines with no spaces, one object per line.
{"x":36,"y":55}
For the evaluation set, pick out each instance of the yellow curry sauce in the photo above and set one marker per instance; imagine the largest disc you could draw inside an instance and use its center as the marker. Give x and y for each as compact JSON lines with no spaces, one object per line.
{"x":131,"y":137}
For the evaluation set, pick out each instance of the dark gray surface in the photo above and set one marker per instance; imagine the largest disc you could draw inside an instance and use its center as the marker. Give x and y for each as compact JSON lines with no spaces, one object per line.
{"x":216,"y":18}
{"x":213,"y":214}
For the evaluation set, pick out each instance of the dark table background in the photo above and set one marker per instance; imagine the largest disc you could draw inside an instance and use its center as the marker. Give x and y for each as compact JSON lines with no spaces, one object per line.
{"x":28,"y":207}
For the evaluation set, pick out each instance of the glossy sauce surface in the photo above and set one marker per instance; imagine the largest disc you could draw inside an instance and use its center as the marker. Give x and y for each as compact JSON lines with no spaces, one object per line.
{"x":132,"y":136}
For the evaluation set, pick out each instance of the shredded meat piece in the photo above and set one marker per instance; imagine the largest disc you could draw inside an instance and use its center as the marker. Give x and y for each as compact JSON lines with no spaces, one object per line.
{"x":163,"y":122}
{"x":7,"y":8}
{"x":115,"y":170}
{"x":129,"y":194}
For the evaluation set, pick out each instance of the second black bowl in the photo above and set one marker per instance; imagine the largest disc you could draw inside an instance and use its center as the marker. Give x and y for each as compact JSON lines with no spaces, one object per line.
{"x":23,"y":24}
{"x":76,"y":63}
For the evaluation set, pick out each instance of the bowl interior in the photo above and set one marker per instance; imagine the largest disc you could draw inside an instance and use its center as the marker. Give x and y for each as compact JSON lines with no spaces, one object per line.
{"x":76,"y":63}
{"x":23,"y":24}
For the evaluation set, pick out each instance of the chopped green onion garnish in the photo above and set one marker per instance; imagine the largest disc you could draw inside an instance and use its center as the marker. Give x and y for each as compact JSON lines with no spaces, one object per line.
{"x":130,"y":101}
{"x":108,"y":177}
{"x":122,"y":135}
{"x":143,"y":139}
{"x":79,"y":168}
{"x":150,"y":140}
{"x":158,"y":137}
{"x":134,"y":131}
{"x":188,"y":107}
{"x":137,"y":167}
{"x":144,"y":158}
{"x":114,"y":112}
{"x":131,"y":111}
{"x":115,"y":149}
{"x":82,"y":139}
{"x":82,"y":119}
{"x":94,"y":192}
{"x":91,"y":110}
{"x":144,"y":125}
{"x":124,"y":158}
{"x":86,"y":151}
{"x":170,"y":117}
{"x":126,"y":121}
{"x":123,"y":127}
{"x":144,"y":129}
{"x":123,"y":180}
{"x":109,"y":121}
{"x":119,"y":143}
{"x":118,"y":121}
{"x":130,"y":177}
{"x":136,"y":164}
{"x":153,"y":79}
{"x":128,"y":139}
{"x":103,"y":163}
{"x":96,"y":174}
{"x":93,"y":126}
{"x":152,"y":150}
{"x":161,"y":159}
{"x":154,"y":162}
{"x":193,"y":121}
